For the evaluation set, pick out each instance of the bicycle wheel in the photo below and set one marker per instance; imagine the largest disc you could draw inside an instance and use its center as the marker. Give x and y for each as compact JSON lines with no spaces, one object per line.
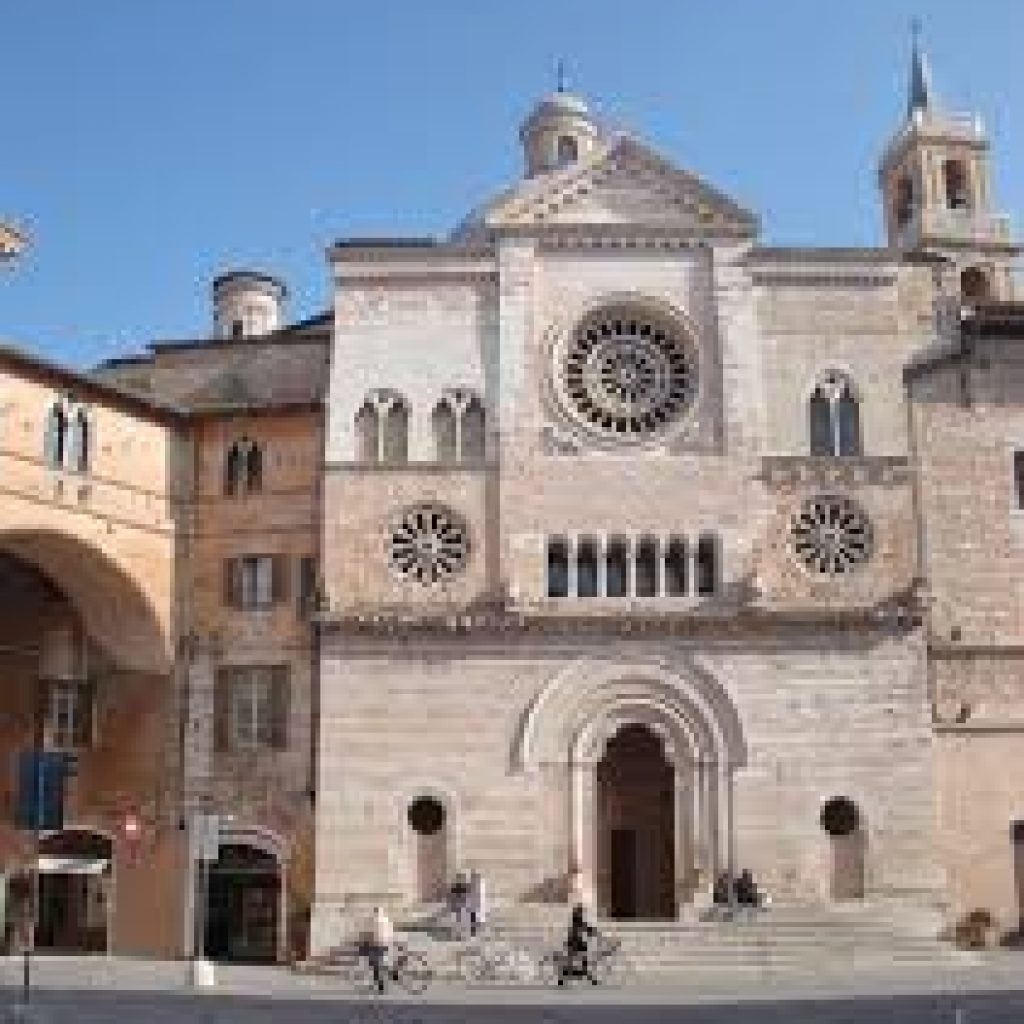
{"x":549,"y":968}
{"x":470,"y":965}
{"x":413,"y":973}
{"x":359,"y":975}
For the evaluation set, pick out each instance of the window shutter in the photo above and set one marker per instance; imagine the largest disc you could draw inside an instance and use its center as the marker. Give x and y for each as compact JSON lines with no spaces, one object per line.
{"x":280,"y":578}
{"x":222,"y":702}
{"x":280,"y":699}
{"x":44,"y":710}
{"x":229,"y":582}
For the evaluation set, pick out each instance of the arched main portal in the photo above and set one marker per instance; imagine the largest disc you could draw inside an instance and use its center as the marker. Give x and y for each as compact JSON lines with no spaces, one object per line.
{"x":635,"y":822}
{"x":571,"y":726}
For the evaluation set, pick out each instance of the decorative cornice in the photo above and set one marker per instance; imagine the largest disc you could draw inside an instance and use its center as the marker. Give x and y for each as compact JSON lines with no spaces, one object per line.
{"x":710,"y":619}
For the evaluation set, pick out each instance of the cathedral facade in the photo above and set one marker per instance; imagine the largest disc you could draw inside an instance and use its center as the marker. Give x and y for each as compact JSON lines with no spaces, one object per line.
{"x":596,"y":547}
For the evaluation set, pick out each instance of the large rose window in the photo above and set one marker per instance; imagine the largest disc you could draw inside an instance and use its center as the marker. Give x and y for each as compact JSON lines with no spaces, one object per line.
{"x":428,"y":544}
{"x":831,"y":535}
{"x":629,"y":375}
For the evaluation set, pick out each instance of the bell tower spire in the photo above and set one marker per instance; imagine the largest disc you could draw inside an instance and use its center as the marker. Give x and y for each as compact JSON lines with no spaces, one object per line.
{"x":919,"y":93}
{"x":936,"y":195}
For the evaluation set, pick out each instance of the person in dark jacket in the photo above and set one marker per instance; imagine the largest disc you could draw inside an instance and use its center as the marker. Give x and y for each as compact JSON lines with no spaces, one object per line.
{"x":576,"y":944}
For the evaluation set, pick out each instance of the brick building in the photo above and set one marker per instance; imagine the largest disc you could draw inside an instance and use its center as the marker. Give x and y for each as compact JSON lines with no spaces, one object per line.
{"x":595,"y":547}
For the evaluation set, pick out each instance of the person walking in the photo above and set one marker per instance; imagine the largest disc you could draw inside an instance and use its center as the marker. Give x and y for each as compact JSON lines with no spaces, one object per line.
{"x":576,"y":945}
{"x":381,"y":939}
{"x":459,"y":903}
{"x":477,"y":902}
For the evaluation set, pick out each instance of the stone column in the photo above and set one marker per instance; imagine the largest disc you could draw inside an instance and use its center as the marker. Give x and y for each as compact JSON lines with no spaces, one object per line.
{"x":601,"y":542}
{"x":630,"y":543}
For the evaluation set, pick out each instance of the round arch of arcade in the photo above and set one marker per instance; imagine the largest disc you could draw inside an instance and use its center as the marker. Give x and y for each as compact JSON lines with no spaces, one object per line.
{"x":583,"y":723}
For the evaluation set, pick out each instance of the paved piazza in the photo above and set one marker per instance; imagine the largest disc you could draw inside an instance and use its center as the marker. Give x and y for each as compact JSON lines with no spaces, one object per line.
{"x":596,"y":548}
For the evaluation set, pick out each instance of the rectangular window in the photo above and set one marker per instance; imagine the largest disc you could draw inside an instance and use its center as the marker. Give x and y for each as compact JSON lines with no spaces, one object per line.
{"x":251,"y":708}
{"x":254,"y":581}
{"x":1018,"y":478}
{"x":69,"y":717}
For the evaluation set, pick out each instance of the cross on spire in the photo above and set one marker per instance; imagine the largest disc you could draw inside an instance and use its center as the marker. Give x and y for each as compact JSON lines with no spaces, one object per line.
{"x":560,"y":75}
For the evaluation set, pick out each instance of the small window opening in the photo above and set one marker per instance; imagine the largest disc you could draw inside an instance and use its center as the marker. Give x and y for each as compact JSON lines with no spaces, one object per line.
{"x":617,"y":567}
{"x":586,"y":568}
{"x":558,"y":568}
{"x":676,"y":557}
{"x":646,"y":581}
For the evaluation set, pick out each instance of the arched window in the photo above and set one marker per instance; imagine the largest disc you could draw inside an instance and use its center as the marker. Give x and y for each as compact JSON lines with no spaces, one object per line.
{"x":707,"y":565}
{"x":78,"y":442}
{"x":233,"y":469}
{"x":834,"y":417}
{"x":568,"y":150}
{"x":974,"y":284}
{"x":55,"y":441}
{"x":645,"y":582}
{"x":616,"y":563}
{"x":676,"y":558}
{"x":954,"y":178}
{"x":395,"y":448}
{"x":558,"y":567}
{"x":367,"y":427}
{"x":904,"y":201}
{"x":243,"y":467}
{"x":444,"y":426}
{"x":586,"y":568}
{"x":254,"y":468}
{"x":473,"y":438}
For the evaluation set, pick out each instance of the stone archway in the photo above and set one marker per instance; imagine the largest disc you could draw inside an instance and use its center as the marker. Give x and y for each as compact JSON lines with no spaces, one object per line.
{"x":565,"y":731}
{"x":85,"y":667}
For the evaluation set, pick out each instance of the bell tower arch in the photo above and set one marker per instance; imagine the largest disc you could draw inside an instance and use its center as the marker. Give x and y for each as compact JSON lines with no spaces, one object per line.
{"x":935,"y":182}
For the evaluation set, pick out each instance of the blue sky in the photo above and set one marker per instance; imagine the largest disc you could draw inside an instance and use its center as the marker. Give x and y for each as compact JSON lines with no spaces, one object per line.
{"x":149,"y":145}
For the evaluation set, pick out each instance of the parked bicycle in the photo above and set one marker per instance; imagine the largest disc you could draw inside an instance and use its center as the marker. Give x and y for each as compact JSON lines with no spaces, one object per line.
{"x":605,"y":963}
{"x":407,"y":968}
{"x":490,"y":961}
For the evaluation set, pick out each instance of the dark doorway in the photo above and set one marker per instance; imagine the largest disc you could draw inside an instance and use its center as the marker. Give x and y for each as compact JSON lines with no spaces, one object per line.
{"x":1017,"y":838}
{"x":427,"y":820}
{"x":244,"y":906}
{"x":636,"y":827}
{"x":74,"y":890}
{"x":623,"y":872}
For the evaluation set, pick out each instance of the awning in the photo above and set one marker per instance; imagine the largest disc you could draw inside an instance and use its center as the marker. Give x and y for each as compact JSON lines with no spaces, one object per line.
{"x":72,"y":865}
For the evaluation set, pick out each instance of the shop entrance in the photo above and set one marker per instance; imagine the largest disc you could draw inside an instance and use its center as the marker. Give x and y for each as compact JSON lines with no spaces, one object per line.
{"x":243,"y":907}
{"x":75,"y":882}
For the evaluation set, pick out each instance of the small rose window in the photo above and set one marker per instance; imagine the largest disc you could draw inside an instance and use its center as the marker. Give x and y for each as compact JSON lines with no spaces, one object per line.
{"x":428,"y":544}
{"x":831,"y":535}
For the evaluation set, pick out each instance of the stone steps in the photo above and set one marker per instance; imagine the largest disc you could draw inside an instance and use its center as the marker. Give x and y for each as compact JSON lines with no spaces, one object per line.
{"x":794,"y":937}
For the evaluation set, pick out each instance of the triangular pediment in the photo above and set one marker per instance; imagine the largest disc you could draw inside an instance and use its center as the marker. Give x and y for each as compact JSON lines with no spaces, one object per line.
{"x":625,"y":185}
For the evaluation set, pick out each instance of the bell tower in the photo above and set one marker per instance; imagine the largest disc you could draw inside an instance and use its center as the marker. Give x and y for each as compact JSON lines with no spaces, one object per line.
{"x":936,"y":190}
